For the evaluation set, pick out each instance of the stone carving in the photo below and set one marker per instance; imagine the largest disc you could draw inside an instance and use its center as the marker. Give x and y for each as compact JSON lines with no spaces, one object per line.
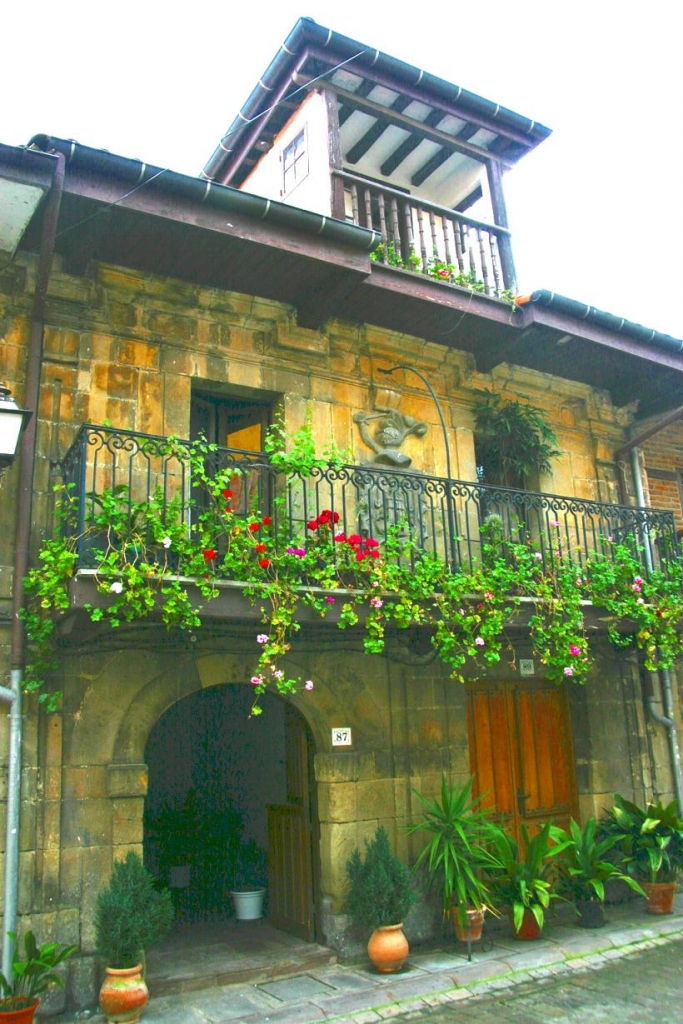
{"x":390,"y":431}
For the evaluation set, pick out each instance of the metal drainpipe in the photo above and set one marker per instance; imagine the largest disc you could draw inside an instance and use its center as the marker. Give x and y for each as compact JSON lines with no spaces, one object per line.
{"x":667,"y":719}
{"x":27,"y":457}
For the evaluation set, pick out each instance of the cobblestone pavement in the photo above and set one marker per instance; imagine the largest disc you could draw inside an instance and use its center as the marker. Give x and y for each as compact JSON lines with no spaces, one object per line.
{"x":643,"y":986}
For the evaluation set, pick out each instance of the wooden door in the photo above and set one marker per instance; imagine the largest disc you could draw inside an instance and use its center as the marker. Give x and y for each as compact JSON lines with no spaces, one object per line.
{"x":521,"y":753}
{"x":290,"y":838}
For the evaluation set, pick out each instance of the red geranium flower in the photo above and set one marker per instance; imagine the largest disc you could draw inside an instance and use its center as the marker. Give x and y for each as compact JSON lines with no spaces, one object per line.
{"x":261,"y":548}
{"x":267,"y":520}
{"x":370,"y":542}
{"x":226,"y":494}
{"x":209,"y":554}
{"x":324,"y":517}
{"x":354,"y":539}
{"x":313,"y":525}
{"x":254,"y":527}
{"x":264,"y":563}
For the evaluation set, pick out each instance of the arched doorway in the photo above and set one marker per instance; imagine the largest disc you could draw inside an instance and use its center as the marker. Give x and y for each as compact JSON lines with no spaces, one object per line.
{"x":221,"y":782}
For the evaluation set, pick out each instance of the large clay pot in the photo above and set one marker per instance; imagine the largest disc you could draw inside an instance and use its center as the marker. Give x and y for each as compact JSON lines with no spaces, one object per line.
{"x":660,"y":897}
{"x":388,"y":949}
{"x":123,"y":995}
{"x":529,"y":928}
{"x":22,"y":1015}
{"x":473,"y":928}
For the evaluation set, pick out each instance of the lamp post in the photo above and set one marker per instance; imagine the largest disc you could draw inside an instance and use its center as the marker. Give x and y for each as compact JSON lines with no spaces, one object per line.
{"x":12,"y":422}
{"x":450,"y":511}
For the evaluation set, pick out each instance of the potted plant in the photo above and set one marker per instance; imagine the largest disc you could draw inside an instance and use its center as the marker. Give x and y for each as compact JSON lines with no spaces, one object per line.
{"x":521,"y":878}
{"x":131,"y":915}
{"x":249,"y":881}
{"x":455,"y":854}
{"x":585,"y":867}
{"x":31,"y":975}
{"x":380,"y":894}
{"x":513,"y":441}
{"x":650,"y":841}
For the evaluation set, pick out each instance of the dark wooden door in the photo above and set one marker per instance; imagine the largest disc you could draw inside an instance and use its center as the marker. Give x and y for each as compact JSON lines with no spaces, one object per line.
{"x":521,"y":753}
{"x":290,"y":838}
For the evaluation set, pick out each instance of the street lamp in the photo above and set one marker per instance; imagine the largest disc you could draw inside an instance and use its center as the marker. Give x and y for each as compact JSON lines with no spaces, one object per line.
{"x":12,"y":422}
{"x":449,"y":493}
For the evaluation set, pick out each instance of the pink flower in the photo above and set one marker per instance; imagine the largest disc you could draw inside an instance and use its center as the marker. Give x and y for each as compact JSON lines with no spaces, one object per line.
{"x":376,"y":602}
{"x":636,"y":588}
{"x":637,"y":579}
{"x":278,"y":673}
{"x":640,"y":601}
{"x":256,"y":680}
{"x":555,"y":523}
{"x":574,"y":650}
{"x":299,"y":552}
{"x":488,"y":596}
{"x":330,"y":600}
{"x":262,"y":638}
{"x":308,"y":685}
{"x":568,"y":671}
{"x":538,"y":556}
{"x":479,"y":641}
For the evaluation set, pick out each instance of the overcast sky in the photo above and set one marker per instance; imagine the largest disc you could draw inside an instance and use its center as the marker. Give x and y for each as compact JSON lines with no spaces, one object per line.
{"x":595,"y":210}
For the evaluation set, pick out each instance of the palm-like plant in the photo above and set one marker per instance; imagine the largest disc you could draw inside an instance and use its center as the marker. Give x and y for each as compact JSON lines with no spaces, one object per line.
{"x":521,"y":878}
{"x":456,"y":852}
{"x":32,"y":974}
{"x":513,"y":441}
{"x":585,"y":865}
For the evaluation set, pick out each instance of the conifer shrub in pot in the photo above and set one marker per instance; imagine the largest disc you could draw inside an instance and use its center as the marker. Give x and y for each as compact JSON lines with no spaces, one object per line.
{"x":32,"y":975}
{"x":131,"y":915}
{"x":380,"y":894}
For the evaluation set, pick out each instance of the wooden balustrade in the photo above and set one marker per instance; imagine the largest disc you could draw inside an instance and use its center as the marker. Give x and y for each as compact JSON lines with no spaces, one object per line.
{"x":430,"y":239}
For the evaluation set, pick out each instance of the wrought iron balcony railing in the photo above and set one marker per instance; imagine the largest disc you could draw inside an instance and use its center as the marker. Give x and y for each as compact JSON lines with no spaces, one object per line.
{"x":445,"y":518}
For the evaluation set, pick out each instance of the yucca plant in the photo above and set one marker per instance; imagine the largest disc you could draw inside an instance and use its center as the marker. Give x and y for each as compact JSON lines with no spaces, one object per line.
{"x":522,"y":877}
{"x":456,"y":848}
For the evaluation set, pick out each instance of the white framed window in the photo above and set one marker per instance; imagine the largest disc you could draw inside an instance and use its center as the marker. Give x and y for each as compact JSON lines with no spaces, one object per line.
{"x":294,"y":162}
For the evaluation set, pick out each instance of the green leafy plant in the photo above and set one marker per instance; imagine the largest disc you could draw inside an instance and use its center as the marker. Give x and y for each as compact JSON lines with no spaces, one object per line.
{"x":455,"y":852}
{"x":649,"y":839}
{"x":131,"y":915}
{"x":513,"y":441}
{"x":251,"y":869}
{"x":521,"y":878}
{"x":585,"y":865}
{"x":33,"y":973}
{"x":379,"y":885}
{"x":297,"y":453}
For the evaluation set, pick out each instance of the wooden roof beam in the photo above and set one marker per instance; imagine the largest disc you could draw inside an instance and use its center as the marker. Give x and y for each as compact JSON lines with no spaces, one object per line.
{"x":374,"y":133}
{"x":403,"y":151}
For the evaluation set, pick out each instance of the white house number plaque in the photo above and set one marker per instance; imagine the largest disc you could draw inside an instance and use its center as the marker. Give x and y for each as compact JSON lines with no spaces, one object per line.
{"x":341,"y":737}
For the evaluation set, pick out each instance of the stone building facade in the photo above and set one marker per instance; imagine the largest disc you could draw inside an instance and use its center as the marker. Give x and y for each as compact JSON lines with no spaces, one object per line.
{"x":138,"y":328}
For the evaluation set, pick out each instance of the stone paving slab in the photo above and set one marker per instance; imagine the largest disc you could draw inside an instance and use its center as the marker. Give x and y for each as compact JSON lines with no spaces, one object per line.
{"x":295,"y":990}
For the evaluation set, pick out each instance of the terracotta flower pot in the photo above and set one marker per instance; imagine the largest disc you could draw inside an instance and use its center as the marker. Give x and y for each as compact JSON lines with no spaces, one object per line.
{"x":529,"y":929}
{"x":21,"y":1015}
{"x":123,"y":995}
{"x":660,"y":897}
{"x":388,"y":949}
{"x":474,"y":926}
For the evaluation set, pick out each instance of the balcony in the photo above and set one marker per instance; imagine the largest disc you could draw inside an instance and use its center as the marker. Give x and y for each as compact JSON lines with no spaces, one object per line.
{"x":429,"y":239}
{"x":448,"y":519}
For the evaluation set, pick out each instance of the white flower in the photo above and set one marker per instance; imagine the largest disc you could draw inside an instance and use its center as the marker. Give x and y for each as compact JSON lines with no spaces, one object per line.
{"x":166,"y":542}
{"x":308,"y":685}
{"x":116,"y":587}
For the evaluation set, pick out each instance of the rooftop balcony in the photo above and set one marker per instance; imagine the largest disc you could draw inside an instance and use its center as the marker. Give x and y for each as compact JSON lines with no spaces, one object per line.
{"x":429,"y":239}
{"x":449,"y":519}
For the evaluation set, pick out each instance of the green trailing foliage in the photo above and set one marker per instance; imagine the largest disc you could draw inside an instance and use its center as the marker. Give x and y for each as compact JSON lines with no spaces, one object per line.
{"x":131,"y":915}
{"x":514,"y":441}
{"x":380,"y":888}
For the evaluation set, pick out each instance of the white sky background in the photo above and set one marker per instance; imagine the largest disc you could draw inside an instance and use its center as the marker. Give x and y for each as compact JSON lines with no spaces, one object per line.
{"x":595,"y":211}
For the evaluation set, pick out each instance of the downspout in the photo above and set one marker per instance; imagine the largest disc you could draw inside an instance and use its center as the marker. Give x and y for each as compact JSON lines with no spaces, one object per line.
{"x":22,"y":536}
{"x":667,"y":719}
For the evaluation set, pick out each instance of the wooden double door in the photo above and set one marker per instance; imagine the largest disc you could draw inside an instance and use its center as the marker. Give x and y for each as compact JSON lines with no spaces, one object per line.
{"x":293,"y":838}
{"x":521,"y":752}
